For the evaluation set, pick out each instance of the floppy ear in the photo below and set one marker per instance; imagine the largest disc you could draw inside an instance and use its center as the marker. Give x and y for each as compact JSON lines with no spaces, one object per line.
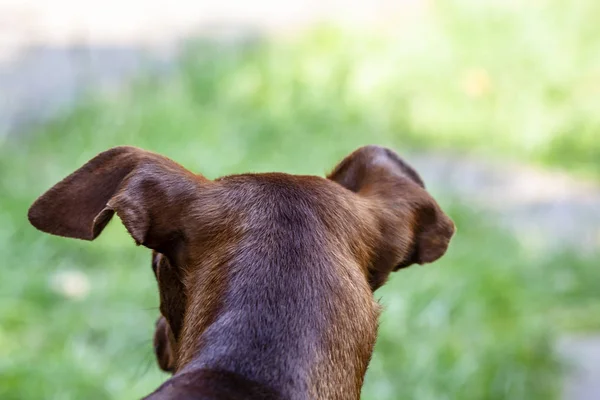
{"x":413,"y":228}
{"x":146,"y":190}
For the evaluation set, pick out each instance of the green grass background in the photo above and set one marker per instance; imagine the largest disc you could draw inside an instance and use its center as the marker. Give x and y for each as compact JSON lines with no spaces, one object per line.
{"x":499,"y":79}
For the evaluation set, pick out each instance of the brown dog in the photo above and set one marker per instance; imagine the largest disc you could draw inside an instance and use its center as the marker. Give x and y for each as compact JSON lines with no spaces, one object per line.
{"x":266,"y":280}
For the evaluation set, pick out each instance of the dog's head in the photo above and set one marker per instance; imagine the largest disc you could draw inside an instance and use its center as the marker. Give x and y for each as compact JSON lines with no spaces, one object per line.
{"x":371,"y":213}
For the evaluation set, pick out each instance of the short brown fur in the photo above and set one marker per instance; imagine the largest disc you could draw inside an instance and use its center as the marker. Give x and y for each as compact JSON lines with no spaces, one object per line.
{"x":266,"y":280}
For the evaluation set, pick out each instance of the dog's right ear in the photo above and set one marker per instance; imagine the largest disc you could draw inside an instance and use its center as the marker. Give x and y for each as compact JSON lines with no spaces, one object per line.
{"x":147,"y":191}
{"x":413,"y":228}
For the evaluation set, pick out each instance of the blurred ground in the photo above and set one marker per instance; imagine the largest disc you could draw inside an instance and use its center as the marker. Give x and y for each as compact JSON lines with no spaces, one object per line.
{"x":50,"y":54}
{"x":544,"y":210}
{"x":52,"y":51}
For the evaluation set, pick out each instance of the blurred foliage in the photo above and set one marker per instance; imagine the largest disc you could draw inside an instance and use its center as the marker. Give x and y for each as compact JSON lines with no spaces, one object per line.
{"x":501,"y":78}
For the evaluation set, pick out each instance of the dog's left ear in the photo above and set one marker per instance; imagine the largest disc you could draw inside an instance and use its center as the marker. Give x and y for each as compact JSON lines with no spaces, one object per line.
{"x":412,"y":227}
{"x":150,"y":193}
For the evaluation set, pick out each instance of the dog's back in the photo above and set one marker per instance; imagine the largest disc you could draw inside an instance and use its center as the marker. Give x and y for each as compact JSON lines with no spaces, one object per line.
{"x":208,"y":384}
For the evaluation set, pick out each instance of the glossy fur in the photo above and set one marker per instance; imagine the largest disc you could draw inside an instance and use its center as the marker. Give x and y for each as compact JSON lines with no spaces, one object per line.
{"x":266,"y":280}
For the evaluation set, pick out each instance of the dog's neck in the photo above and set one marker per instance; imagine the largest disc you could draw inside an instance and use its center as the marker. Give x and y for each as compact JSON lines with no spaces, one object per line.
{"x":285,"y":302}
{"x":293,"y":329}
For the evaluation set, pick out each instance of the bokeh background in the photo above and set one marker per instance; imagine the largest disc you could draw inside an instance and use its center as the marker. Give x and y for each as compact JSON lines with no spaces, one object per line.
{"x":495,"y":103}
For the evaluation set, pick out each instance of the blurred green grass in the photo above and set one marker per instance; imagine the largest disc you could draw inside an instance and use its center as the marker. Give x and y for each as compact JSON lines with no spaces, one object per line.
{"x":510,"y":81}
